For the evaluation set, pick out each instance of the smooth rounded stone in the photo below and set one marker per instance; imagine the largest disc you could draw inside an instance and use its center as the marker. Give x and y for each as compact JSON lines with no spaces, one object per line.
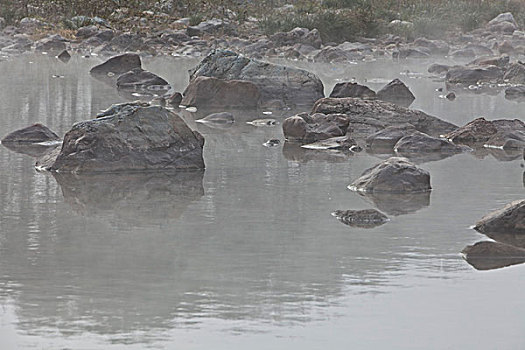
{"x":418,"y":142}
{"x":64,"y":56}
{"x":330,"y":54}
{"x":474,"y":75}
{"x":436,"y":47}
{"x":118,"y":65}
{"x":53,"y":43}
{"x":369,"y":116}
{"x":509,"y":219}
{"x":488,"y":255}
{"x":368,"y":218}
{"x":386,"y":139}
{"x":396,"y":92}
{"x":394,"y":175}
{"x":291,"y":85}
{"x":135,"y":138}
{"x":451,"y":96}
{"x":515,"y":74}
{"x":481,"y":131}
{"x":87,"y":31}
{"x":340,"y":142}
{"x":140,"y":78}
{"x":349,"y":89}
{"x":438,"y":68}
{"x":210,"y":92}
{"x":217,"y":118}
{"x":31,"y":134}
{"x":314,"y":127}
{"x":298,"y":36}
{"x":462,"y":53}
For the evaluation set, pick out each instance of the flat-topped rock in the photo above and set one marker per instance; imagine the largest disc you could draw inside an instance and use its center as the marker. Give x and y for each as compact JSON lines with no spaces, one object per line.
{"x":369,"y":116}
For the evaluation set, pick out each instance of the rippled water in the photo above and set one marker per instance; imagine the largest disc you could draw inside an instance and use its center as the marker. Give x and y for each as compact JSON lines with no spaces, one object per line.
{"x":246,"y":254}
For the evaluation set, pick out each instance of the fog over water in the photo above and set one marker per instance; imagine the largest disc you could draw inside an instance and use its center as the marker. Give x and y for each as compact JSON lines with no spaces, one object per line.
{"x":246,"y":253}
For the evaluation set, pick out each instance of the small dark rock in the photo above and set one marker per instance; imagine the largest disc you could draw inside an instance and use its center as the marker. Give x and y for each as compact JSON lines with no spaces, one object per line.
{"x":367,"y":218}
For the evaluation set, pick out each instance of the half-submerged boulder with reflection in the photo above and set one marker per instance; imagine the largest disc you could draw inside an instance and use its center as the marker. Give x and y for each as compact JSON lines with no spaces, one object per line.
{"x":367,"y":218}
{"x":397,"y":203}
{"x":394,"y":175}
{"x":290,"y":85}
{"x":118,"y":65}
{"x":136,"y":197}
{"x":310,"y":128}
{"x":509,"y":219}
{"x":488,"y":255}
{"x":134,"y":138}
{"x":34,"y":140}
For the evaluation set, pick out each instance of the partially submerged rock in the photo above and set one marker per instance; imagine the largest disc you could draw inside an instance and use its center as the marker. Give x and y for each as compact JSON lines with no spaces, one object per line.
{"x":134,"y":138}
{"x":503,"y":133}
{"x":217,"y":118}
{"x":367,"y":218}
{"x":118,"y":65}
{"x":384,"y":140}
{"x":509,"y":219}
{"x":291,"y":85}
{"x":369,"y":116}
{"x":488,"y":255}
{"x":349,"y":89}
{"x":138,"y":78}
{"x":474,"y":75}
{"x":396,"y":92}
{"x":340,"y":142}
{"x":418,"y":142}
{"x":396,"y":204}
{"x":315,"y":127}
{"x":31,"y":134}
{"x":209,"y":92}
{"x":394,"y":175}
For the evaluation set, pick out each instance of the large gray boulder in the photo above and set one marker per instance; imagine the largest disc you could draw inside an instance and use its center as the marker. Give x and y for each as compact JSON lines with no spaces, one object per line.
{"x":134,"y":138}
{"x":291,"y":85}
{"x":206,"y":92}
{"x":370,"y":116}
{"x":118,"y":65}
{"x":509,"y":219}
{"x":394,"y":175}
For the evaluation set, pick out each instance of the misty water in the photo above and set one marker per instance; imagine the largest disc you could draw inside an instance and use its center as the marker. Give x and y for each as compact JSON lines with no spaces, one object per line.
{"x":246,"y":254}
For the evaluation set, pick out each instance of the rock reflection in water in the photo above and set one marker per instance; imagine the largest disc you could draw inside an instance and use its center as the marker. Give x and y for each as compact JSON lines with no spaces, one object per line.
{"x":31,"y":149}
{"x":398,"y":203}
{"x":136,"y":197}
{"x":294,"y":152}
{"x":503,"y":155}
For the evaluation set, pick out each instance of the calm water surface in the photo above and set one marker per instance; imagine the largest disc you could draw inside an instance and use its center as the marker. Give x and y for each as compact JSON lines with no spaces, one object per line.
{"x":246,"y":254}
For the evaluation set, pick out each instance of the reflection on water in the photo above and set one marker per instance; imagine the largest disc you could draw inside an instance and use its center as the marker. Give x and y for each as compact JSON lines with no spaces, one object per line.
{"x":249,"y":245}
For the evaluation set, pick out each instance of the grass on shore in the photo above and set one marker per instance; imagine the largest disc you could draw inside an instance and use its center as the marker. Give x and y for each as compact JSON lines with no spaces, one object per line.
{"x":337,"y":20}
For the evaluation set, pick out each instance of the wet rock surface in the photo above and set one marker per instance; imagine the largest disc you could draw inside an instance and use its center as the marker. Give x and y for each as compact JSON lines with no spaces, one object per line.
{"x":315,"y":127}
{"x":209,"y":92}
{"x":293,"y":86}
{"x":493,"y":255}
{"x":394,"y":175}
{"x":509,"y":219}
{"x":367,"y":117}
{"x":135,"y":138}
{"x":418,"y":142}
{"x":368,"y":218}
